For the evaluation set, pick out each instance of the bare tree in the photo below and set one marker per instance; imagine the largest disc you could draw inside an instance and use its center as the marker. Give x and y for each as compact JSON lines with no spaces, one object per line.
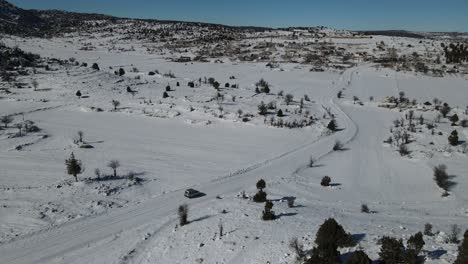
{"x":298,"y":248}
{"x":114,"y":164}
{"x":288,"y":99}
{"x":97,"y":172}
{"x":19,"y":126}
{"x":453,"y":236}
{"x":35,"y":84}
{"x":116,"y":104}
{"x":220,"y":226}
{"x":80,"y":135}
{"x":6,"y":119}
{"x":74,"y":166}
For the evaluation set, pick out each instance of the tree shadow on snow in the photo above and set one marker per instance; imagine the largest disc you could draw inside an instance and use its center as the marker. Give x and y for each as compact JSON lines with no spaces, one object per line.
{"x":357,"y":238}
{"x":134,"y":175}
{"x":436,"y":254}
{"x":201,"y":218}
{"x":286,"y":214}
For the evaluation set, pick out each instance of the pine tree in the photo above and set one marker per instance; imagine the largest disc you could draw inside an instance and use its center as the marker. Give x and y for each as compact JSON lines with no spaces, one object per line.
{"x":280,"y":113}
{"x":454,"y":118}
{"x":453,"y":138}
{"x":262,"y":108}
{"x":391,"y":250}
{"x":463,"y":250}
{"x":74,"y":166}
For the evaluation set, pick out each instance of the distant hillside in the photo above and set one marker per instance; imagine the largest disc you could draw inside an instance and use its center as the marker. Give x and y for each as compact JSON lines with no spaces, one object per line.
{"x":392,"y":33}
{"x":14,"y":20}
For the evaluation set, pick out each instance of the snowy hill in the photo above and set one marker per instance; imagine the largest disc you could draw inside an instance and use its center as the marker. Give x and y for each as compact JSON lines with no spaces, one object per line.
{"x":338,"y":125}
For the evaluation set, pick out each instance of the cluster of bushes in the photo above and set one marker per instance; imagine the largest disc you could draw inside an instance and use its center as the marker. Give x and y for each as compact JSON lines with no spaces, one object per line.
{"x":12,"y":58}
{"x":280,"y":123}
{"x":331,"y":236}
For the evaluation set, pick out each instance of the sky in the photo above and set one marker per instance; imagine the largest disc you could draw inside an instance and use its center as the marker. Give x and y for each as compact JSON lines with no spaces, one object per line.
{"x":416,"y":15}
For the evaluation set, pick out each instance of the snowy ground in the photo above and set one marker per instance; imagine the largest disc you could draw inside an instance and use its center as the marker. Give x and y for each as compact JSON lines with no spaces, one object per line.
{"x":47,"y":218}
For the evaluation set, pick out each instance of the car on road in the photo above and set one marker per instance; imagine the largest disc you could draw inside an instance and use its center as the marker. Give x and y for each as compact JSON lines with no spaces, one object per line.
{"x":191,"y":193}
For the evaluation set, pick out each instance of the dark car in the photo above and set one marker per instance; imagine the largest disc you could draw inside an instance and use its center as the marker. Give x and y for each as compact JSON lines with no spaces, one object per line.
{"x":191,"y":193}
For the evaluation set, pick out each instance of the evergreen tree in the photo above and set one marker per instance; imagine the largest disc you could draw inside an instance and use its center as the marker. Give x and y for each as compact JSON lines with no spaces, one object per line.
{"x":262,"y":108}
{"x":463,"y":250}
{"x":74,"y":166}
{"x":453,"y":138}
{"x":454,"y":118}
{"x":280,"y":113}
{"x":391,"y":250}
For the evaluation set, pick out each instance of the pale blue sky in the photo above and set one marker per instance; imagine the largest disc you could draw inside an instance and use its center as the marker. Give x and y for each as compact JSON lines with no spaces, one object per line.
{"x":419,"y":15}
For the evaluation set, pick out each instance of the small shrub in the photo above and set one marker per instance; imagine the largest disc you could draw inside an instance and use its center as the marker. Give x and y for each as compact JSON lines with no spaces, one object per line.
{"x":326,"y":180}
{"x":121,"y":72}
{"x":260,"y":197}
{"x":403,"y":150}
{"x":95,"y":67}
{"x":183,"y":214}
{"x":165,"y":95}
{"x":464,"y":123}
{"x":268,"y":214}
{"x":288,"y":99}
{"x":332,"y":125}
{"x":365,"y":209}
{"x":454,"y":118}
{"x":453,"y":138}
{"x":338,"y":146}
{"x":291,"y":202}
{"x":168,"y":88}
{"x":311,"y":162}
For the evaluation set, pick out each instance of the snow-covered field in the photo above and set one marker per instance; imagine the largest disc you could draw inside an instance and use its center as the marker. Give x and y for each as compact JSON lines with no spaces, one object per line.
{"x":191,"y":139}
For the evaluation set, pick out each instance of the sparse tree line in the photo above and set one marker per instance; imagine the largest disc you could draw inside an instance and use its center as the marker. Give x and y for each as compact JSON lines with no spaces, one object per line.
{"x":75,"y":167}
{"x":23,"y":127}
{"x":455,"y":52}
